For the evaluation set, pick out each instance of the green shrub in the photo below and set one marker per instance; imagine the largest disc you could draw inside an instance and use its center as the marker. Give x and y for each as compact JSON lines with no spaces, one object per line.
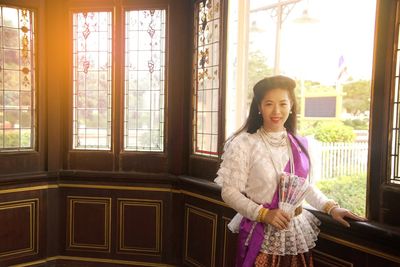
{"x":348,"y":191}
{"x":357,"y":124}
{"x":332,"y":131}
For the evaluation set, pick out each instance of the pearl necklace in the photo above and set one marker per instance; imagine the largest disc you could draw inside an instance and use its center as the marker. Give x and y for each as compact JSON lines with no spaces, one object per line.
{"x":273,"y":140}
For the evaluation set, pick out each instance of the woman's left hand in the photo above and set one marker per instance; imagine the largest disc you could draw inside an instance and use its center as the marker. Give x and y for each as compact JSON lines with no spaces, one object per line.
{"x":340,"y":213}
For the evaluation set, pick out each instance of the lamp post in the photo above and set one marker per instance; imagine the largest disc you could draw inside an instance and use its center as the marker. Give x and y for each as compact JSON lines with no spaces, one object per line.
{"x":280,"y":10}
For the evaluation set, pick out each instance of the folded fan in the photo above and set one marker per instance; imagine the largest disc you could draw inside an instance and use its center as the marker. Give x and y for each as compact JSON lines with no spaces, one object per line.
{"x":292,"y":191}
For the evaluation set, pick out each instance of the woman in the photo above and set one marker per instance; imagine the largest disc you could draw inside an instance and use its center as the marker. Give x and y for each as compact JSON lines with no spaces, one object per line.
{"x":253,"y":162}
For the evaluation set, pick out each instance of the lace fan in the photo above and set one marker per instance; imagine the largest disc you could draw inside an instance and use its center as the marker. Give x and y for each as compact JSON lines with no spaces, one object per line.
{"x":292,"y":191}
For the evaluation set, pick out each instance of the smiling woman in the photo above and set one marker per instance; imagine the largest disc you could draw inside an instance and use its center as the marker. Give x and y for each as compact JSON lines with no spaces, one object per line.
{"x":264,"y":161}
{"x":330,"y":58}
{"x":275,"y":108}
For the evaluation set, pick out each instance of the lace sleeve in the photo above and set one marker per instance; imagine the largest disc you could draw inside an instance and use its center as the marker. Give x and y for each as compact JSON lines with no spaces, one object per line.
{"x":233,"y":175}
{"x":316,"y":198}
{"x":235,"y":163}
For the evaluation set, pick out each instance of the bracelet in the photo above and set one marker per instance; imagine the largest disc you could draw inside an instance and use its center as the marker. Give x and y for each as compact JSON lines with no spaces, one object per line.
{"x":261,"y":214}
{"x":329,"y":206}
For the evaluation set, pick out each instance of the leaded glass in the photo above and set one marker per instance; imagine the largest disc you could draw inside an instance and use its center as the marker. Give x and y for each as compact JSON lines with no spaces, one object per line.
{"x":395,"y":146}
{"x":17,"y":79}
{"x":206,"y":71}
{"x":144,"y":80}
{"x":92,"y":80}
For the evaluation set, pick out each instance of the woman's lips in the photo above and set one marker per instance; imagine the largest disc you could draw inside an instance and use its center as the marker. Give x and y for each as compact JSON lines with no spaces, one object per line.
{"x":275,"y":119}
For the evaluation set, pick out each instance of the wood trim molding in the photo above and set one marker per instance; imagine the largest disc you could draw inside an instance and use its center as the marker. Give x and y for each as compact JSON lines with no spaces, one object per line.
{"x":329,"y":260}
{"x":213,"y":217}
{"x":148,"y":203}
{"x":33,"y":206}
{"x":71,"y":243}
{"x":359,"y":247}
{"x":88,"y":259}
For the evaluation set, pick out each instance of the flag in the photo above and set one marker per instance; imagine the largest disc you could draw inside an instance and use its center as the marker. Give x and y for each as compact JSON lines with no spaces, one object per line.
{"x":342,"y":70}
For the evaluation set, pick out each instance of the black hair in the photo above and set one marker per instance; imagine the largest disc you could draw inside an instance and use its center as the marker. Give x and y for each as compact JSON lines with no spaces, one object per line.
{"x":254,"y":121}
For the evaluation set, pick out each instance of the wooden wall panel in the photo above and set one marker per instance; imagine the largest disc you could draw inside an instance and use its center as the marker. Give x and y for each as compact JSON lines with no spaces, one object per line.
{"x":322,"y":259}
{"x":200,"y":236}
{"x":229,"y":247}
{"x":109,"y":225}
{"x":140,"y":223}
{"x":139,"y":226}
{"x":89,"y":223}
{"x":19,"y":222}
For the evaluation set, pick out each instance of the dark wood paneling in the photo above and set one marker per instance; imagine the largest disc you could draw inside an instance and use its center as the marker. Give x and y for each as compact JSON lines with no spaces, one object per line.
{"x":364,"y":244}
{"x":89,"y":223}
{"x":52,"y":225}
{"x":192,"y":226}
{"x":84,"y":160}
{"x":230,"y":245}
{"x":179,"y":72}
{"x":322,"y":259}
{"x":379,"y":262}
{"x":390,"y":210}
{"x":141,"y":162}
{"x":204,"y":168}
{"x":138,"y":234}
{"x":200,"y":236}
{"x":139,"y":226}
{"x":19,"y":228}
{"x":22,"y":162}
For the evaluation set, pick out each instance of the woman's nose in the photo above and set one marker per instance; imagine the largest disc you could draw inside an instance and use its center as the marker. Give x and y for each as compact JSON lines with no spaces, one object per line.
{"x":275,"y":110}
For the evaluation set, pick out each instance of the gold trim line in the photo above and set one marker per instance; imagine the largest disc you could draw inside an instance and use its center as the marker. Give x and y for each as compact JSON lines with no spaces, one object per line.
{"x":132,"y":188}
{"x":122,"y":262}
{"x":24,"y":189}
{"x":204,"y":198}
{"x":360,"y":247}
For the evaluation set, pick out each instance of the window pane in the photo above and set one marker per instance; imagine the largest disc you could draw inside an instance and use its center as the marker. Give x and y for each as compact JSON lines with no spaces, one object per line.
{"x":395,"y":153}
{"x":144,"y":80}
{"x":329,"y":54}
{"x":17,"y":80}
{"x":92,"y":49}
{"x":206,"y":72}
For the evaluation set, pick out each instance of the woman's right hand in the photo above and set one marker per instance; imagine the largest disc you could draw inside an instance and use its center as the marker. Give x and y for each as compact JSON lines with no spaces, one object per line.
{"x":277,"y":218}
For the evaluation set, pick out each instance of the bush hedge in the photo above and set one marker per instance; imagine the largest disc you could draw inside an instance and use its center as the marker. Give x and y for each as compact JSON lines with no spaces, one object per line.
{"x":330,"y":131}
{"x":348,"y":191}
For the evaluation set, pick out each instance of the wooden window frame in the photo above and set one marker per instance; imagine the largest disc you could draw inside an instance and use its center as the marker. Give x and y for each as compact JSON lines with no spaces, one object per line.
{"x":382,"y":196}
{"x":32,"y":161}
{"x":204,"y":166}
{"x":117,"y":159}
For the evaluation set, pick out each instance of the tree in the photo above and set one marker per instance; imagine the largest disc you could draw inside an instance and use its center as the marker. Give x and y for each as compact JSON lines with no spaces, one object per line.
{"x":257,"y":70}
{"x":357,"y":97}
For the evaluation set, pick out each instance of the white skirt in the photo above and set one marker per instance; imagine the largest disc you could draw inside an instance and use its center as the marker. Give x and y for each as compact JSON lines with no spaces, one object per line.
{"x":299,"y":238}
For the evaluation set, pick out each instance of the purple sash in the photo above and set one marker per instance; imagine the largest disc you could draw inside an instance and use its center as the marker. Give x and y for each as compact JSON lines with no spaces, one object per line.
{"x":246,"y":255}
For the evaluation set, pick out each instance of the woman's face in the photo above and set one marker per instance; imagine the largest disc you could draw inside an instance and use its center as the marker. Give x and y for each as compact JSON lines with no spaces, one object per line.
{"x":275,"y":108}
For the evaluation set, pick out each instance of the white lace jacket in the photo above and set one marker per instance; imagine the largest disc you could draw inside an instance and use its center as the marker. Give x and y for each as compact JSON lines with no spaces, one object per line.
{"x":248,"y":178}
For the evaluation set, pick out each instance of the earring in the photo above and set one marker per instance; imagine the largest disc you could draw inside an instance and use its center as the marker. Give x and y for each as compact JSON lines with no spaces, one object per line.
{"x":290,"y":112}
{"x":259,"y":112}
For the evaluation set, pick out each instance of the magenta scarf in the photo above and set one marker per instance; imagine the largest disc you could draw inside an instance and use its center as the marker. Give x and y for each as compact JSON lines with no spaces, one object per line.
{"x":246,"y":255}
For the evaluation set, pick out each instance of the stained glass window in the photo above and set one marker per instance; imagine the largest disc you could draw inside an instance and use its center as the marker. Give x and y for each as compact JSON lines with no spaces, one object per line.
{"x":92,"y":53}
{"x":144,"y":80}
{"x":206,"y":71}
{"x":17,"y":79}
